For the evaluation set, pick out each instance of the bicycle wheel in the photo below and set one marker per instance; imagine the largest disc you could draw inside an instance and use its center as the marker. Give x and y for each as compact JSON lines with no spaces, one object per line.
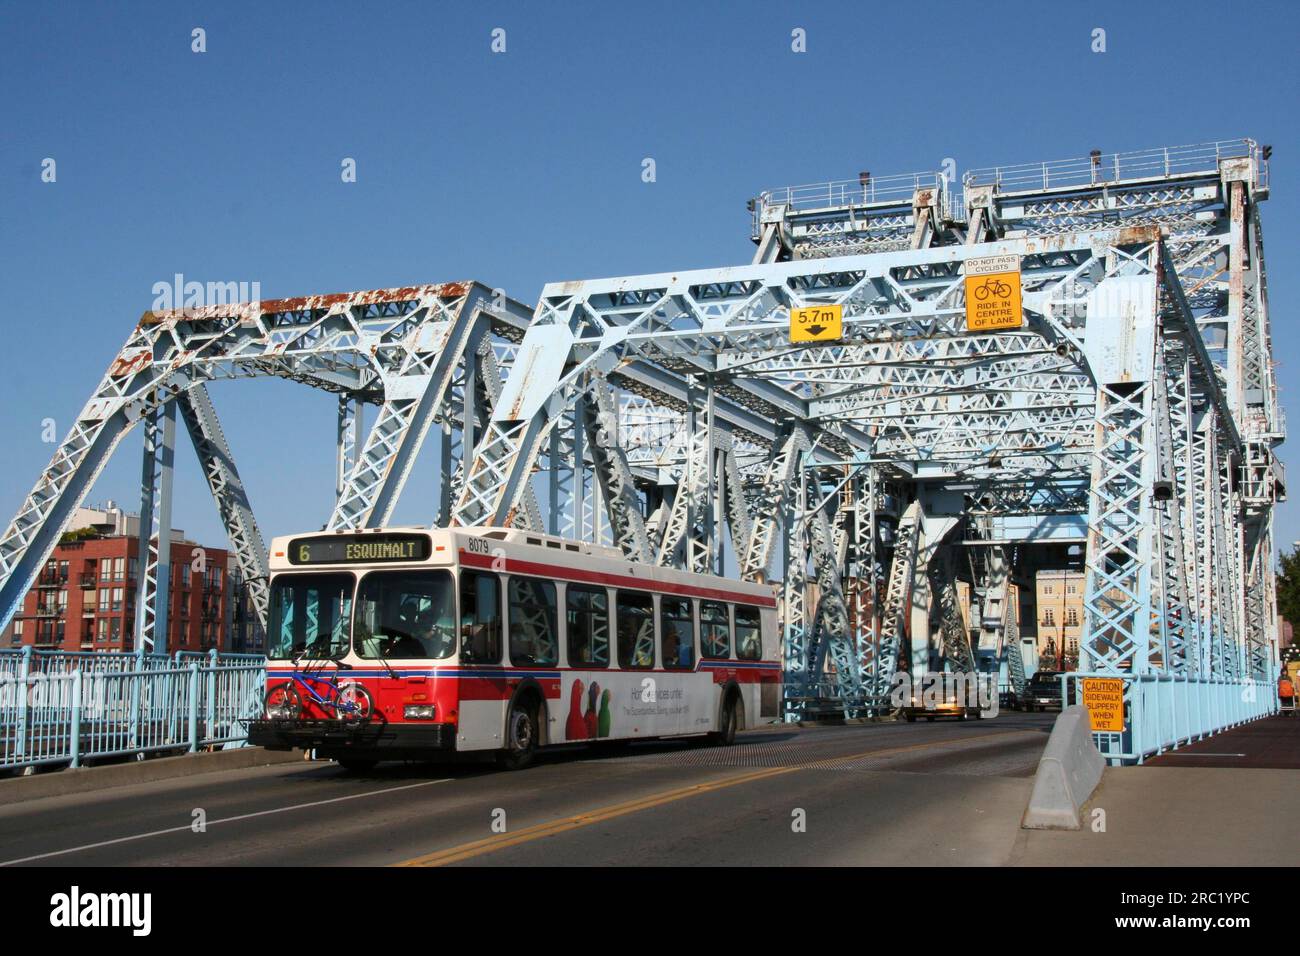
{"x":283,"y":701}
{"x":354,"y":703}
{"x":981,"y":292}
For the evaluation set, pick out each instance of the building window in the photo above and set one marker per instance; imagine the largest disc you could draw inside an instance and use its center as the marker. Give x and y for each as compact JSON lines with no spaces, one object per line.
{"x":117,"y":599}
{"x":119,"y":568}
{"x":1048,"y":619}
{"x":1072,"y":618}
{"x":114,"y":629}
{"x":104,"y":596}
{"x":101,"y":630}
{"x":185,"y":576}
{"x":105,"y":570}
{"x":63,"y":571}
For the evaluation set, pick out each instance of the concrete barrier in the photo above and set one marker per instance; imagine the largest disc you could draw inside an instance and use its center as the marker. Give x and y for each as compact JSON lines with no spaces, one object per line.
{"x":86,"y":779}
{"x":1068,"y":772}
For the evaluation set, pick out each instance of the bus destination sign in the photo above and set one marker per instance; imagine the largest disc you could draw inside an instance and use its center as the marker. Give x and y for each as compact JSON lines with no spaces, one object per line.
{"x":359,"y":548}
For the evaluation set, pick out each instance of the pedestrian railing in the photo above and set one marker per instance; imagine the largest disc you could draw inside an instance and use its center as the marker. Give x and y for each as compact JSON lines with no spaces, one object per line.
{"x":1164,"y":712}
{"x":65,"y":708}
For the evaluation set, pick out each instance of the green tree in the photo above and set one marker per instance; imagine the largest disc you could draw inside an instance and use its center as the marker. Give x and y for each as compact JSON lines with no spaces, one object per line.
{"x":1288,"y":587}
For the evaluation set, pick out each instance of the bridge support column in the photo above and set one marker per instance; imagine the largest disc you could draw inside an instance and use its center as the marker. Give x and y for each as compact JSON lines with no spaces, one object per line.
{"x":152,"y":587}
{"x":934,"y":528}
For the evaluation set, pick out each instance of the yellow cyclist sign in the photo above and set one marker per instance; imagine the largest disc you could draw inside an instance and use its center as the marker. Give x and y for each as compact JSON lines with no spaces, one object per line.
{"x":993,"y":293}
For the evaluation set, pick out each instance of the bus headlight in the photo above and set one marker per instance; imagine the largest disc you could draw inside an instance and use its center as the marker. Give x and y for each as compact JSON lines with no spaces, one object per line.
{"x":419,"y":711}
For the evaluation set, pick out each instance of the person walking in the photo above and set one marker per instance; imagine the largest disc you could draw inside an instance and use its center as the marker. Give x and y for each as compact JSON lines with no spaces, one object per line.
{"x":1286,"y":693}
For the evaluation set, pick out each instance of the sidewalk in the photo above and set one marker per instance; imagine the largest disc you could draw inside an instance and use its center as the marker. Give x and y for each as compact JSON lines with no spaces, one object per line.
{"x":86,"y":779}
{"x":1225,"y":801}
{"x":1272,"y":743}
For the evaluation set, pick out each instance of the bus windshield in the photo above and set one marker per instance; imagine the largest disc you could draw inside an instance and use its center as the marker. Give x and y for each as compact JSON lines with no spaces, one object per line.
{"x":406,"y":614}
{"x":311,"y":616}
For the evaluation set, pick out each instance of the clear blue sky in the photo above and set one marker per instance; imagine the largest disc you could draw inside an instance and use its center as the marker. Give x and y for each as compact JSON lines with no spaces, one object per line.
{"x":524,"y":168}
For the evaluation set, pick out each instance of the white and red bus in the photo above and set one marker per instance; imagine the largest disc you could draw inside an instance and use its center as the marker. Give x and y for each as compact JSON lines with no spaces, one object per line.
{"x":413,"y":643}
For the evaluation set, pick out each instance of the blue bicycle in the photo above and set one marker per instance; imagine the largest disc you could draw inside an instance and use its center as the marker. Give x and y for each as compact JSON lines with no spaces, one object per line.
{"x":348,"y":700}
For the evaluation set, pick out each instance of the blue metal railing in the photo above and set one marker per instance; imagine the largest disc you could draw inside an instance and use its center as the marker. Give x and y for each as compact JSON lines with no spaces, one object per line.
{"x":66,"y":707}
{"x":1162,"y":712}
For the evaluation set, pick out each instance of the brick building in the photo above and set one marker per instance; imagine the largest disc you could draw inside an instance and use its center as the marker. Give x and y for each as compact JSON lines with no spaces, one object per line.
{"x":1059,"y":606}
{"x":84,"y":597}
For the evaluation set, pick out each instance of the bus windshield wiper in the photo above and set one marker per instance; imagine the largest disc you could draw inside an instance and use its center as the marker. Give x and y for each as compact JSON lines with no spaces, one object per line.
{"x":387,"y":666}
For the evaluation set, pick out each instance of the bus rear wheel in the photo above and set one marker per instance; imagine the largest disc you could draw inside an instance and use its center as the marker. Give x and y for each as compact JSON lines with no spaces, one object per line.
{"x":725,"y":736}
{"x":521,"y":737}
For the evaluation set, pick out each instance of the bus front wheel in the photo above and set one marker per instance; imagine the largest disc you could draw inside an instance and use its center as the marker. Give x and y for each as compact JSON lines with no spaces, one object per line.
{"x":521,"y":737}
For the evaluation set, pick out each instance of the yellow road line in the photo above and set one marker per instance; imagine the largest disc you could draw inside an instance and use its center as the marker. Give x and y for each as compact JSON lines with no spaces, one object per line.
{"x":501,"y":841}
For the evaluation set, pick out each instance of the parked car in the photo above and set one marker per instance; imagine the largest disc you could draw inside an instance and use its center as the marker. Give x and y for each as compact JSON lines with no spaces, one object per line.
{"x":1043,"y":691}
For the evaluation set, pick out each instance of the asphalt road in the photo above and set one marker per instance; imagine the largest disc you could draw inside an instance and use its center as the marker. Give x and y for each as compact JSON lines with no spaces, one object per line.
{"x":879,"y":794}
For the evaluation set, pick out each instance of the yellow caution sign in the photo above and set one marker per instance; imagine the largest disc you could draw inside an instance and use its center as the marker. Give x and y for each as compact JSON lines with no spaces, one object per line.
{"x":993,"y":294}
{"x":1104,"y":698}
{"x":816,"y":323}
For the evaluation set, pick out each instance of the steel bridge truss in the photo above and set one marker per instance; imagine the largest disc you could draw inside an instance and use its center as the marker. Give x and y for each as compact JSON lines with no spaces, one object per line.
{"x":671,"y":416}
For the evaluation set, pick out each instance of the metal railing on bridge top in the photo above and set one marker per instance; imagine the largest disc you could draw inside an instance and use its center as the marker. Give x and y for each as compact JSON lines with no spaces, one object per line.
{"x":67,"y":707}
{"x":1163,"y":712}
{"x":1116,"y":167}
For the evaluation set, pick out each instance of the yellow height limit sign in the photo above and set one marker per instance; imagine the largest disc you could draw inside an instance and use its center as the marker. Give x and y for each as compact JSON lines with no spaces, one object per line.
{"x":1104,"y":698}
{"x":993,"y":293}
{"x":816,"y":323}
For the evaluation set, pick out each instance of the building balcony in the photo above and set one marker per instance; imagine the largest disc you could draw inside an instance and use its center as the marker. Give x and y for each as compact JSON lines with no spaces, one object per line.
{"x":88,"y":581}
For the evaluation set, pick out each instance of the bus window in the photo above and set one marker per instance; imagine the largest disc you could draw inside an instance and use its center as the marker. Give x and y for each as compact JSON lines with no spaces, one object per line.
{"x":715,"y":630}
{"x":678,"y":629}
{"x":635,"y":613}
{"x":587,"y":611}
{"x":480,"y":617}
{"x":749,"y":642}
{"x":311,"y":616}
{"x":532,"y":622}
{"x":406,"y":614}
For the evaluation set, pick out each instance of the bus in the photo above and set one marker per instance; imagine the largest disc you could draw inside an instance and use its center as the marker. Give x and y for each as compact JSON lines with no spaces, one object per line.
{"x":420,"y":644}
